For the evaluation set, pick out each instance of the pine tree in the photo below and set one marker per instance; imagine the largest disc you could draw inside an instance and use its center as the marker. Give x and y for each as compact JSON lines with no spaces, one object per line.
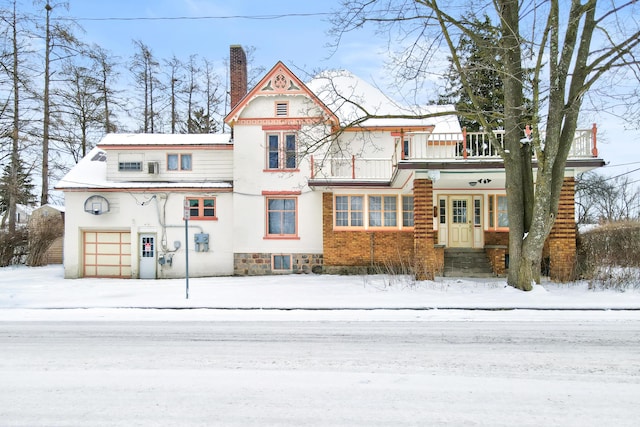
{"x":24,"y":194}
{"x":479,"y":59}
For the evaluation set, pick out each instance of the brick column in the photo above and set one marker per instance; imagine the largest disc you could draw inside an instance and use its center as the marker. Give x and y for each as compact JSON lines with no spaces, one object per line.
{"x":425,"y":254}
{"x":562,"y":239}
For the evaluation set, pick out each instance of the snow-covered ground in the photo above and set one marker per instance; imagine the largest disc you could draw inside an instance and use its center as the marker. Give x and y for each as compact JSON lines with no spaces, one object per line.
{"x":25,"y":292}
{"x":314,"y":350}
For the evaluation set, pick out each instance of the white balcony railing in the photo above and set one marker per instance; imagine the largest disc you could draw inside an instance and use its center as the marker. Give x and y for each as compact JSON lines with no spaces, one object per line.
{"x":352,"y":168}
{"x":434,"y":146}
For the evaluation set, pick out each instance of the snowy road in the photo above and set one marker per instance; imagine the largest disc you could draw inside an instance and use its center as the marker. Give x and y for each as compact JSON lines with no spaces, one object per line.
{"x":569,"y":373}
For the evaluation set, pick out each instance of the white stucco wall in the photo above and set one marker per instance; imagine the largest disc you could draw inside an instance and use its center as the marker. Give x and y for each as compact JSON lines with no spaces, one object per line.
{"x":252,"y":181}
{"x":140,"y":213}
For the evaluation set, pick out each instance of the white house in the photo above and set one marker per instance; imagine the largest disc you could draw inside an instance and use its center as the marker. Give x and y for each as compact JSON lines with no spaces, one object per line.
{"x":301,"y":184}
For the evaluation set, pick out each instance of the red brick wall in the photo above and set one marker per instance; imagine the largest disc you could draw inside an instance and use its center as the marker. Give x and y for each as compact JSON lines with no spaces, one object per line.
{"x":560,"y":246}
{"x":426,"y":258}
{"x":562,"y":239}
{"x":362,"y":248}
{"x":496,"y":247}
{"x":237,"y":74}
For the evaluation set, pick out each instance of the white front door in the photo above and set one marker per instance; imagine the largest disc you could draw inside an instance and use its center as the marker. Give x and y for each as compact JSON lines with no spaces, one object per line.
{"x":460,"y":224}
{"x":147,"y":250}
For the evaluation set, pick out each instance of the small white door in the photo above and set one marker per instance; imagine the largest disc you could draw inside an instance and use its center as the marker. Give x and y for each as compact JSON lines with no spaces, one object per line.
{"x":460,"y":225}
{"x":147,"y":252}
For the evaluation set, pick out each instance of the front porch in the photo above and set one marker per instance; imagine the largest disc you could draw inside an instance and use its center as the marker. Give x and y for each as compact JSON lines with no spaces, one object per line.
{"x":443,"y":219}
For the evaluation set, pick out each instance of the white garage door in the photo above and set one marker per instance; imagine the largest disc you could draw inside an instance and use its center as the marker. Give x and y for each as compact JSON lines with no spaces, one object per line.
{"x":107,"y":254}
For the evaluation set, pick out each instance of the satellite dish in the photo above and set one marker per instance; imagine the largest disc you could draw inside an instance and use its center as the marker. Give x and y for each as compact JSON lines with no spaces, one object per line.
{"x":96,"y":205}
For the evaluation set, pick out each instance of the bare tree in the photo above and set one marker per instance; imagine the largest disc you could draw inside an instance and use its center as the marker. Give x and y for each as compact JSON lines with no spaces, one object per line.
{"x":59,"y":44}
{"x":145,"y":70}
{"x":79,"y":104}
{"x":606,"y":199}
{"x":570,"y":47}
{"x":106,"y":68}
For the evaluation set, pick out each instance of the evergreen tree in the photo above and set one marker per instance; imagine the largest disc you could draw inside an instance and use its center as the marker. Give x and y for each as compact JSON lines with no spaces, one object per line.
{"x":481,"y":64}
{"x":24,"y":193}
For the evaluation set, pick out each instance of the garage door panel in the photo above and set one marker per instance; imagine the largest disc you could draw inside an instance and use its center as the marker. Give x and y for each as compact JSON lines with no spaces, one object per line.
{"x":109,"y":271}
{"x":109,"y":249}
{"x":107,"y":254}
{"x":109,"y":237}
{"x":103,"y":259}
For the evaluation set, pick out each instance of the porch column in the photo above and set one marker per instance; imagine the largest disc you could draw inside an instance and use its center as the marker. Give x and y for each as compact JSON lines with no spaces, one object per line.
{"x":423,"y":235}
{"x":562,"y":239}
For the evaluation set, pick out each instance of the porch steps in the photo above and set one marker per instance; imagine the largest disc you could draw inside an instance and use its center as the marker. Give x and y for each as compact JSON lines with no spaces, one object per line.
{"x":464,"y":262}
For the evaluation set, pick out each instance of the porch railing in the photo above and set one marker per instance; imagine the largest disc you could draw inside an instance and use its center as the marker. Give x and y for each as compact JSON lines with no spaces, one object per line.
{"x":352,"y":168}
{"x":434,"y":146}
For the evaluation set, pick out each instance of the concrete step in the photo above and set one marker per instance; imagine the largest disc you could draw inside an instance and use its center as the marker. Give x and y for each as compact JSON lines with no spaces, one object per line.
{"x":466,"y":262}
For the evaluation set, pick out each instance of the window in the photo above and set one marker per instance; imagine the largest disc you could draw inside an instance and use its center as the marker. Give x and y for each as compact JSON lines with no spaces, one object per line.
{"x":477,"y":212}
{"x":281,"y":217}
{"x":443,"y":211}
{"x":503,"y":218}
{"x":281,"y":151}
{"x":202,"y":208}
{"x":349,"y":211}
{"x":383,"y":211}
{"x":281,"y":263}
{"x":129,"y":166}
{"x":498,"y":217}
{"x":282,"y":109}
{"x":492,"y":219}
{"x":178,"y":162}
{"x":407,"y":211}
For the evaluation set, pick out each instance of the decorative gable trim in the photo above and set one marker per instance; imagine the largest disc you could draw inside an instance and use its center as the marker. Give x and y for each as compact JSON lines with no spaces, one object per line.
{"x":279,"y":81}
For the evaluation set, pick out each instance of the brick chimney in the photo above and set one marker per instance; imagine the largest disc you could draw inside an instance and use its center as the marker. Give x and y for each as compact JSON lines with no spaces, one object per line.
{"x":238,"y":74}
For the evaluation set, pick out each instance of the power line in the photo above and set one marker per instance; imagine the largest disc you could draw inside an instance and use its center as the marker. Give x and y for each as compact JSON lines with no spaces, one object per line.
{"x":194,"y":18}
{"x":621,"y":164}
{"x":622,"y":174}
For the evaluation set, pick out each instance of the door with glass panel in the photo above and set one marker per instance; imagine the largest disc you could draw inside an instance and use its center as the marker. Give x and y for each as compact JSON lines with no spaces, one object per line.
{"x":460,"y":222}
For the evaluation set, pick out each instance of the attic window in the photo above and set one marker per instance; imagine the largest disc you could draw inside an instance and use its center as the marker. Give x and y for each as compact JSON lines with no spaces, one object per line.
{"x":282,"y":109}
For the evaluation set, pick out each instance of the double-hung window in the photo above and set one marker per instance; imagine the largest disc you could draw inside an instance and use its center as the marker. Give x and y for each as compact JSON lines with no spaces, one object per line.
{"x":383,"y":211}
{"x":281,"y":217}
{"x":178,"y":162}
{"x":282,"y":151}
{"x":202,"y":208}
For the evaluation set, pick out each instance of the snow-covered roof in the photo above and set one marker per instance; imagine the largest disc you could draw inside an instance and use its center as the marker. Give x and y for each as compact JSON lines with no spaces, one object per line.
{"x":91,"y":173}
{"x":164,"y":139}
{"x":350,"y":98}
{"x":56,"y":207}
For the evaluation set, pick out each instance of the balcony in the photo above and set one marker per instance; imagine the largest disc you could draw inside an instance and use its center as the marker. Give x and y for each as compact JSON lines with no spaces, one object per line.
{"x":433,"y":147}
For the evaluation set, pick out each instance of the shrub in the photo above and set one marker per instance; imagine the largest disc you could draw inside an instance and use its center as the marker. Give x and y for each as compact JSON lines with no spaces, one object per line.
{"x":609,"y":256}
{"x":13,"y":247}
{"x":43,"y":230}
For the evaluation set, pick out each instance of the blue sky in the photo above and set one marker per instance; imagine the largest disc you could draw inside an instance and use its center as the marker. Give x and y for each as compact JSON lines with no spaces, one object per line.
{"x":299,"y":41}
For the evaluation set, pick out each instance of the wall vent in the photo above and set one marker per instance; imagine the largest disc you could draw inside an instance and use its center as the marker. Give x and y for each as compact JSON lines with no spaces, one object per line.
{"x":153,"y":168}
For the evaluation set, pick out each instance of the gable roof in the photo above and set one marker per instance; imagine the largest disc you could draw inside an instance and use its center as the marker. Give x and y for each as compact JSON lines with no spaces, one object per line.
{"x":279,"y":81}
{"x":352,"y":98}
